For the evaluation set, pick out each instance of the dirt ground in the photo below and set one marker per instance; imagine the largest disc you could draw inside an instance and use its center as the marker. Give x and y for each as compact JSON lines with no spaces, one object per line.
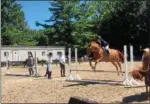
{"x":103,"y":86}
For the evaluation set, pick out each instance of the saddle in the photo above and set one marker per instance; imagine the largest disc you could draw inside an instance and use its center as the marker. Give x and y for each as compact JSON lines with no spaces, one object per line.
{"x":106,"y":54}
{"x":105,"y":51}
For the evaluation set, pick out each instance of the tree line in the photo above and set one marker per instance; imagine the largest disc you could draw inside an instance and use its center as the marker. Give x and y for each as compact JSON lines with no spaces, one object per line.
{"x":74,"y":23}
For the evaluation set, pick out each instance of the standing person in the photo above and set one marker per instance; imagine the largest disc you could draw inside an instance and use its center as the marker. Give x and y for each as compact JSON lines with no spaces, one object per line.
{"x":49,"y":66}
{"x":30,"y":64}
{"x":61,"y":59}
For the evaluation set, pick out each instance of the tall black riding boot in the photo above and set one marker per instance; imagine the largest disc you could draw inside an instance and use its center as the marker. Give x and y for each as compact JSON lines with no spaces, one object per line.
{"x":64,"y":71}
{"x":61,"y":72}
{"x":107,"y":51}
{"x":30,"y":71}
{"x":49,"y":74}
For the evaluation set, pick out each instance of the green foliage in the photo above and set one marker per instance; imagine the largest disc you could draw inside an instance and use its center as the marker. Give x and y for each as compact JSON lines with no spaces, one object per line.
{"x":127,"y":25}
{"x":14,"y":27}
{"x":77,"y":22}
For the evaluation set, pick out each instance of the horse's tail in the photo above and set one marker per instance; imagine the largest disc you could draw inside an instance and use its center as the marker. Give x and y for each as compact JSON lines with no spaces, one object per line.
{"x":121,"y":56}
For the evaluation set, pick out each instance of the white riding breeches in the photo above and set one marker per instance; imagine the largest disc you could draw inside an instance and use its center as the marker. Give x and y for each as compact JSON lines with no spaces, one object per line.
{"x":107,"y":47}
{"x":142,"y":57}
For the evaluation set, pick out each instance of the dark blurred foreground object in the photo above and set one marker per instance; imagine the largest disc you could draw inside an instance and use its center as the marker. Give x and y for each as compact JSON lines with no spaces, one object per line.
{"x":79,"y":100}
{"x":144,"y":71}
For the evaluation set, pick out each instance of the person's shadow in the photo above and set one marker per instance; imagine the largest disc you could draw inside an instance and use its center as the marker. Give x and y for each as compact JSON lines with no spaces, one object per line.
{"x":136,"y":98}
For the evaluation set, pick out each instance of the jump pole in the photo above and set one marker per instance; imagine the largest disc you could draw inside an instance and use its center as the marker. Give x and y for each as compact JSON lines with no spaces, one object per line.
{"x":132,"y":66}
{"x":126,"y":82}
{"x":7,"y":64}
{"x":76,"y":57}
{"x":36,"y":66}
{"x":131,"y":56}
{"x":70,"y":77}
{"x":77,"y":77}
{"x":69,"y":51}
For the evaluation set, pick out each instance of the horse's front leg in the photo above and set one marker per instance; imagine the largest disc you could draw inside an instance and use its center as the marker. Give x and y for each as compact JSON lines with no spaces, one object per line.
{"x":95,"y":66}
{"x":147,"y":92}
{"x":90,"y":62}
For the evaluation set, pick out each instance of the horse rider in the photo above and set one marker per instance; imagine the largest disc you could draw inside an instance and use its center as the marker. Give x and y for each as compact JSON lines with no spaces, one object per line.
{"x":103,"y":44}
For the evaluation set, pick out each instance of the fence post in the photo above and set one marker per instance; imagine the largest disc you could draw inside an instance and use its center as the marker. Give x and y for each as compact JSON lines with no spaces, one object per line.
{"x":76,"y":57}
{"x":126,"y":81}
{"x":70,"y":77}
{"x":69,"y":59}
{"x":36,"y":66}
{"x":132,"y":66}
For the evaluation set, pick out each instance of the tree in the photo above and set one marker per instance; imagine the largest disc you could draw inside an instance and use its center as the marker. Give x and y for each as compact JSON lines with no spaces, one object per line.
{"x":76,"y":23}
{"x":127,"y":25}
{"x":61,"y":29}
{"x":14,"y":27}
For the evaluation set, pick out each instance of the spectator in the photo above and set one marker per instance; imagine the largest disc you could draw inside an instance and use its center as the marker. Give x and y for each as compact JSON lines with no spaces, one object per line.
{"x":49,"y":66}
{"x":61,"y":59}
{"x":30,"y":64}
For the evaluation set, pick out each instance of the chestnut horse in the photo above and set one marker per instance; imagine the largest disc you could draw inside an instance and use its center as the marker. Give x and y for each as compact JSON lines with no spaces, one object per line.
{"x":144,"y":71}
{"x":98,"y":55}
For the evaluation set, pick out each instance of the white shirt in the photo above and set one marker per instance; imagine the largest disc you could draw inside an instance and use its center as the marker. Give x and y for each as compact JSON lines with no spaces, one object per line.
{"x":49,"y":64}
{"x":61,"y":59}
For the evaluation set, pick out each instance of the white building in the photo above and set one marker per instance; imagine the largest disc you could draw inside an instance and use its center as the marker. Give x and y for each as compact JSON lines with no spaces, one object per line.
{"x":20,"y":53}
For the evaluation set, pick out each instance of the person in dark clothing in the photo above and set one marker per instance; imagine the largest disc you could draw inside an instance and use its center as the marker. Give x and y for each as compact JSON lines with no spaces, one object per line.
{"x":30,"y":64}
{"x":103,"y":44}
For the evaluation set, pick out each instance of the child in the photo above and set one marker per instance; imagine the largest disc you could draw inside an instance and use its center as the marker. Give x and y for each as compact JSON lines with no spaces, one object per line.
{"x":49,"y":66}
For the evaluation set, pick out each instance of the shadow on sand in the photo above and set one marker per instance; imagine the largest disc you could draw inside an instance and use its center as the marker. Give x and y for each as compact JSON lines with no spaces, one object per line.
{"x":17,"y":75}
{"x":135,"y":98}
{"x":85,"y":82}
{"x":141,"y":97}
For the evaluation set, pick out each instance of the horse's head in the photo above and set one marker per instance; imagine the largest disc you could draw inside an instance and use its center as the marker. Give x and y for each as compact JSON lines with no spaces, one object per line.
{"x":92,"y":47}
{"x":136,"y":74}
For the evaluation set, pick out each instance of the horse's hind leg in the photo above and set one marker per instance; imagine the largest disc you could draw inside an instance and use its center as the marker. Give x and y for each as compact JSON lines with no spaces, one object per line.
{"x":115,"y":64}
{"x":120,"y":67}
{"x":90,"y":63}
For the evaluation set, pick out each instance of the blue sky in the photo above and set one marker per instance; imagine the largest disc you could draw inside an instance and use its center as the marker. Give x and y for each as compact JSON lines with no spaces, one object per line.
{"x":35,"y":11}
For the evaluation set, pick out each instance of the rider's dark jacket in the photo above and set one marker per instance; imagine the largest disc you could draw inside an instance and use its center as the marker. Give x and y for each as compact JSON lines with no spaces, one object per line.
{"x":103,"y":43}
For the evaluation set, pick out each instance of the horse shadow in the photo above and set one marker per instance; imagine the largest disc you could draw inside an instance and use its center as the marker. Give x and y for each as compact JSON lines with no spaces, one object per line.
{"x":85,"y":82}
{"x":135,"y":98}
